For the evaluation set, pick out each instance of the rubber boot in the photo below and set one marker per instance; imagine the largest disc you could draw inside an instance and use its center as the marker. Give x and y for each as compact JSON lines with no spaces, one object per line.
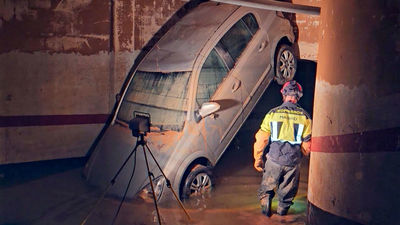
{"x":281,"y":211}
{"x":266,"y":206}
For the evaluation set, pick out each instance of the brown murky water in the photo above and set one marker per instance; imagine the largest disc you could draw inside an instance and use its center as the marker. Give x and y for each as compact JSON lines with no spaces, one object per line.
{"x":232,"y":201}
{"x":65,"y":198}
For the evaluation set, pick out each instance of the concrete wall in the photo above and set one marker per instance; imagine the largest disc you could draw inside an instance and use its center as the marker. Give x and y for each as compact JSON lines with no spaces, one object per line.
{"x":62,"y":62}
{"x":308,"y":29}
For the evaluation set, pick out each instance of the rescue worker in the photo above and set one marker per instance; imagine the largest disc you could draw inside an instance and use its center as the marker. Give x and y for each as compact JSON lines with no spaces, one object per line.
{"x":288,"y":126}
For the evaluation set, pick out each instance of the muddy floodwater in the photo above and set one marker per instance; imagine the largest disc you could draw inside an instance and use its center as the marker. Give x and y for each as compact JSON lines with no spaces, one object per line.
{"x":232,"y":201}
{"x":65,"y":198}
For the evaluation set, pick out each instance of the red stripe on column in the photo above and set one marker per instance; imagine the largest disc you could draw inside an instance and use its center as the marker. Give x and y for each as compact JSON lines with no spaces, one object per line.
{"x":48,"y":120}
{"x":387,"y":140}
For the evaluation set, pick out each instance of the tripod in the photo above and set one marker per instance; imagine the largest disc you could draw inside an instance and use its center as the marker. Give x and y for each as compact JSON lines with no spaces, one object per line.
{"x":142,"y":142}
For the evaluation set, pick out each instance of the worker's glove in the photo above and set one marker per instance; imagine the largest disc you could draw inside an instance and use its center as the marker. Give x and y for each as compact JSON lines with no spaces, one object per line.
{"x":306,"y":148}
{"x":259,"y":165}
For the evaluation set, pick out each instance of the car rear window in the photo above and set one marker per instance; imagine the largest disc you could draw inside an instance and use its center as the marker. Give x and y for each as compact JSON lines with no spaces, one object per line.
{"x":162,"y":95}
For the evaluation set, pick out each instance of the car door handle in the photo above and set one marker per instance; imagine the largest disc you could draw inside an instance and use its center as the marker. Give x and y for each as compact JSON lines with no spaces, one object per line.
{"x":236,"y":85}
{"x":262,"y":46}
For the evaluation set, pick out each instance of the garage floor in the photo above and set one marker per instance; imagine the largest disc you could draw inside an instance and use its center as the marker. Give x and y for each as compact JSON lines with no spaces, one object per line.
{"x":55,"y":193}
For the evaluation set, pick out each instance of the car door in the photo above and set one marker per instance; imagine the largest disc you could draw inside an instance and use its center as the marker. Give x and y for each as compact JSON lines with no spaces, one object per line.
{"x":218,"y":82}
{"x":254,"y":65}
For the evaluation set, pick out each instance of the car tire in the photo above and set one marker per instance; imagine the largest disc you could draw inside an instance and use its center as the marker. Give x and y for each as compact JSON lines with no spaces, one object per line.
{"x":285,"y":64}
{"x":199,"y":181}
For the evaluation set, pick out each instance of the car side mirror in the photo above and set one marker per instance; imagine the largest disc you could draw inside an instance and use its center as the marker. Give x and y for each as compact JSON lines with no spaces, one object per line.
{"x":206,"y":109}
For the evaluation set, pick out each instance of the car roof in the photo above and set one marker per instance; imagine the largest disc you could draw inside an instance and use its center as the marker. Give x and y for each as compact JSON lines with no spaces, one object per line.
{"x":178,"y":49}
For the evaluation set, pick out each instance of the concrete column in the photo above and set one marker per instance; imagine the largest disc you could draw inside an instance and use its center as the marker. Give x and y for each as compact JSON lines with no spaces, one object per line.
{"x":355,"y":161}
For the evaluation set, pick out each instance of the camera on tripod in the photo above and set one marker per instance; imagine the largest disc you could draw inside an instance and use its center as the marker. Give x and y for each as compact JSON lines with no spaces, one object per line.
{"x":140,"y":124}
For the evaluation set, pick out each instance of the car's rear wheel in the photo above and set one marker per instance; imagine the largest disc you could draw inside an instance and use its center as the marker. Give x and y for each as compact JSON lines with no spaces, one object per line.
{"x":285,"y":64}
{"x":198,"y":182}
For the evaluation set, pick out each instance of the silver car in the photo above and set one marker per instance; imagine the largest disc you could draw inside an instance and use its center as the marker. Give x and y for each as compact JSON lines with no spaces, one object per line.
{"x":198,"y":83}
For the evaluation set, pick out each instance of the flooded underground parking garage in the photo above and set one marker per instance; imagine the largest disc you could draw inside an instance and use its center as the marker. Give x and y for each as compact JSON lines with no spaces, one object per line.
{"x":75,"y":74}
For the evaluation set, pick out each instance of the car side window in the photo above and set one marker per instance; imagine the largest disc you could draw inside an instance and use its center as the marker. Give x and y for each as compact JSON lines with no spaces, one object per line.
{"x":224,"y":56}
{"x":237,"y":38}
{"x":251,"y":23}
{"x":211,"y":75}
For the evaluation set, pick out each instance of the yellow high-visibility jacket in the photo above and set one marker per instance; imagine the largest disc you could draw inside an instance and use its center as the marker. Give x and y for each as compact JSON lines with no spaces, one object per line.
{"x":288,"y":126}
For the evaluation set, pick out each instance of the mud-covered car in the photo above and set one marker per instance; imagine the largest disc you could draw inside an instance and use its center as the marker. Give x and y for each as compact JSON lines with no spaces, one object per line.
{"x":198,"y":83}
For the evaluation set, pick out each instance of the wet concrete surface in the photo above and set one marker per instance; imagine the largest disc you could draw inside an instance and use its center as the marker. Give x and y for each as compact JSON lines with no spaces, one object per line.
{"x":54,"y":194}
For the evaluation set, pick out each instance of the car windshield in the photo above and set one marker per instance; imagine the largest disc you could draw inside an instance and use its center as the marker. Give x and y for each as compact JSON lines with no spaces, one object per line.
{"x":162,"y":95}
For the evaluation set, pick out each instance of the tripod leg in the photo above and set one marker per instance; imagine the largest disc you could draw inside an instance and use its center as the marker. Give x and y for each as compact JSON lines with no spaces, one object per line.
{"x":109,"y":185}
{"x":152,"y":186}
{"x":169,"y":184}
{"x":126,"y":191}
{"x":123,"y":165}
